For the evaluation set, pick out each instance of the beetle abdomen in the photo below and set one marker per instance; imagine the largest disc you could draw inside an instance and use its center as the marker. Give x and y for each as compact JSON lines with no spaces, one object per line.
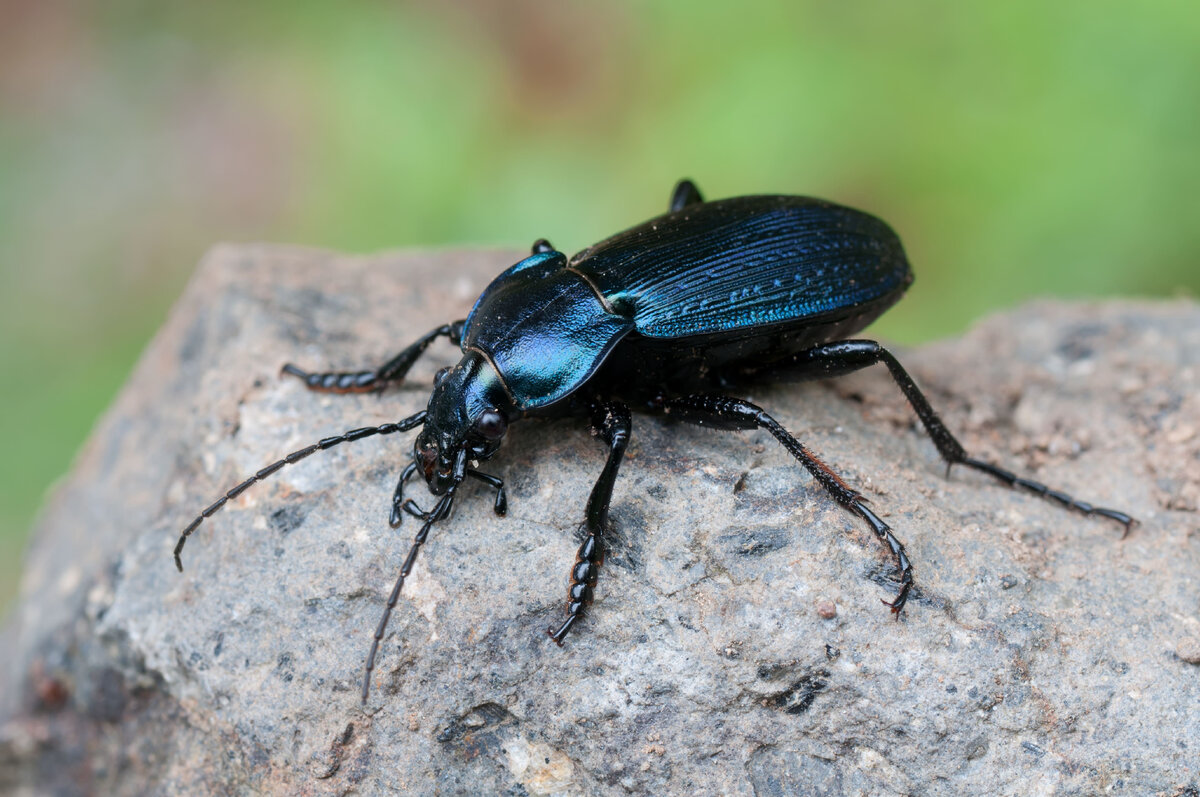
{"x":748,"y":263}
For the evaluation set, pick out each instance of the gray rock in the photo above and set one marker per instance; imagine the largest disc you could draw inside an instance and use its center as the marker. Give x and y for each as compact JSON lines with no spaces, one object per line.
{"x":1042,"y":653}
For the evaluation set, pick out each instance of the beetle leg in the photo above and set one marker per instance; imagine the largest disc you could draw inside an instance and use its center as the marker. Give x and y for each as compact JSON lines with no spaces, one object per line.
{"x":541,"y":246}
{"x":685,"y":194}
{"x":611,"y":423}
{"x":501,"y":505}
{"x":726,"y":412}
{"x":835,"y":359}
{"x":392,"y":371}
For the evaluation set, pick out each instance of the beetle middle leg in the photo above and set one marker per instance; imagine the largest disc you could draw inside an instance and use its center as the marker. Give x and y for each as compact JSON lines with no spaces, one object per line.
{"x":843,"y":357}
{"x":611,"y":423}
{"x":726,"y":412}
{"x":685,"y":194}
{"x":393,"y":370}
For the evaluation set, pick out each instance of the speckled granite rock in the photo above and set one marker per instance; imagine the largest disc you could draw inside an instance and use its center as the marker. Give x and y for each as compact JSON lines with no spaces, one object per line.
{"x":738,"y":645}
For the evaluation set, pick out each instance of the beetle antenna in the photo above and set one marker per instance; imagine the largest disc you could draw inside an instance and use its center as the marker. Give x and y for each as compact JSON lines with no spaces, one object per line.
{"x":408,"y":423}
{"x":439,"y":512}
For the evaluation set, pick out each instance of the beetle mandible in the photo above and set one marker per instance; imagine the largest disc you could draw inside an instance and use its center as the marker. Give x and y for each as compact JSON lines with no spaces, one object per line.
{"x":667,"y":316}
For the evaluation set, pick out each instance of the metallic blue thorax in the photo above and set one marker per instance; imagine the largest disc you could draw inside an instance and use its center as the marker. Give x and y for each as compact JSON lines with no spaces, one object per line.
{"x":544,"y":328}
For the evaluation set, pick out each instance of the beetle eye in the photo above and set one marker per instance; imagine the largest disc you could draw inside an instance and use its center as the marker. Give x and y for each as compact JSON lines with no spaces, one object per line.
{"x":491,"y":424}
{"x":440,"y":375}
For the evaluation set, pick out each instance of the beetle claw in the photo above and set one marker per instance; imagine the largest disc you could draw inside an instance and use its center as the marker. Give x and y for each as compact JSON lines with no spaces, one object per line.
{"x":897,"y":604}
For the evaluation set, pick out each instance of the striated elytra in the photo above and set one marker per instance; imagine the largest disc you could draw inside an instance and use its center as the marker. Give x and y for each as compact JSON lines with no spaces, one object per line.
{"x":668,"y":317}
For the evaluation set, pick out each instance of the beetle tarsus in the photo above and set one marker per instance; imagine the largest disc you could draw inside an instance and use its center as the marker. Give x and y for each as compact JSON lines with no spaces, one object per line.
{"x":337,"y":382}
{"x":846,"y":356}
{"x":1058,"y":496}
{"x":727,"y":412}
{"x":394,"y":370}
{"x":561,"y":633}
{"x":611,"y":422}
{"x":897,"y":604}
{"x":884,"y":532}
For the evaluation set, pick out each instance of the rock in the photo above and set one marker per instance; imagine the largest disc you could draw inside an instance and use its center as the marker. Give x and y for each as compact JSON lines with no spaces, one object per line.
{"x":1189,"y":650}
{"x":1038,"y":652}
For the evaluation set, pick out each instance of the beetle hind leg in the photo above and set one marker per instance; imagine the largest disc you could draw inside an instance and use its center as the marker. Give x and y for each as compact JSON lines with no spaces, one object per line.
{"x":1037,"y":488}
{"x":843,"y":357}
{"x":726,"y":412}
{"x":393,"y":370}
{"x":611,"y":423}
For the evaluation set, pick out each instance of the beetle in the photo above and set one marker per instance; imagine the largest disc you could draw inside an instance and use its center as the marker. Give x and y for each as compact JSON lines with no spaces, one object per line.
{"x":669,"y":317}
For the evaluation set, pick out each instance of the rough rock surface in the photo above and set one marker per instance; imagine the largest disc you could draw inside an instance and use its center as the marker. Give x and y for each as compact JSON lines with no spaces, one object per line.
{"x":738,"y":645}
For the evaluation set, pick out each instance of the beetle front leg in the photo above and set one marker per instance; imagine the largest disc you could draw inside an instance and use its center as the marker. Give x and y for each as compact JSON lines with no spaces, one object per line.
{"x":843,"y":357}
{"x":392,"y":371}
{"x":726,"y":412}
{"x":612,"y":424}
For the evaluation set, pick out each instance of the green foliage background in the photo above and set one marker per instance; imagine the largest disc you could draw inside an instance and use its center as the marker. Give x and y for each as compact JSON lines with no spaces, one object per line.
{"x":1020,"y":148}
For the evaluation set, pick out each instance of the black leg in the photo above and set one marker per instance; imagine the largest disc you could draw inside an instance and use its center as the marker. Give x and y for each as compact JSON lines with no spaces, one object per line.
{"x":540,"y":247}
{"x":724,"y":412}
{"x":391,"y":371}
{"x":685,"y":194}
{"x":611,"y":423}
{"x":843,"y":357}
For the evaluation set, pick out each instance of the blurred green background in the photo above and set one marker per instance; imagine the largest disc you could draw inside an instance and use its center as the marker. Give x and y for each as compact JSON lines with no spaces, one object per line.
{"x":1020,"y":148}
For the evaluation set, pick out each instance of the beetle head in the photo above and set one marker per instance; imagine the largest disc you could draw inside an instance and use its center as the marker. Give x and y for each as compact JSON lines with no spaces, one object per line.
{"x":468,"y":414}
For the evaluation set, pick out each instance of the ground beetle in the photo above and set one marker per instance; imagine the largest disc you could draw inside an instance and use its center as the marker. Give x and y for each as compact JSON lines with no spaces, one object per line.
{"x":667,"y":317}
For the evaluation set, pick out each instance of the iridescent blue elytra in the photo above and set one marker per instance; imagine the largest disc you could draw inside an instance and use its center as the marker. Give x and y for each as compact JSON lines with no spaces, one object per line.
{"x":668,"y":317}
